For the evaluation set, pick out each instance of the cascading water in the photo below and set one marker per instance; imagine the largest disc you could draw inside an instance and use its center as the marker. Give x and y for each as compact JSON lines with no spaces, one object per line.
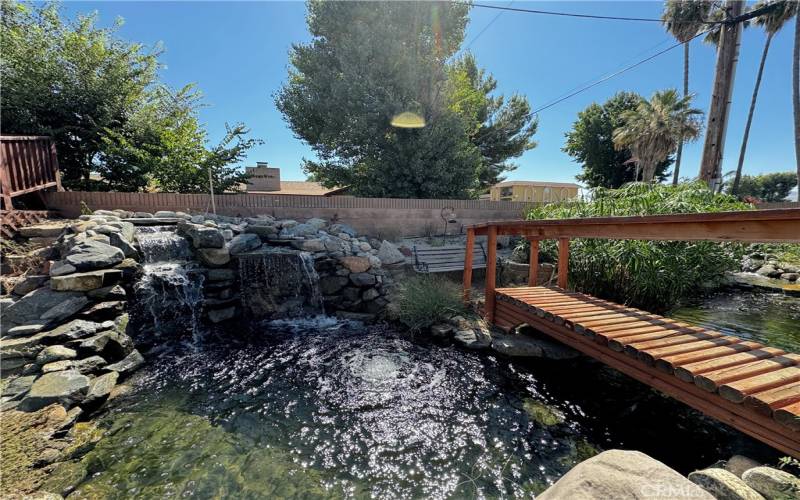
{"x":169,"y":294}
{"x":279,"y":282}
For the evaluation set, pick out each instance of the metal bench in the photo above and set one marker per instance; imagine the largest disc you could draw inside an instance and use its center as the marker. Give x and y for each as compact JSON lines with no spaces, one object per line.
{"x":447,"y":258}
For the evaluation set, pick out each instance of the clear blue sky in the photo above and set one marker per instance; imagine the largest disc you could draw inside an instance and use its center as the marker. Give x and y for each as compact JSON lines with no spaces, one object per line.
{"x":236,"y":52}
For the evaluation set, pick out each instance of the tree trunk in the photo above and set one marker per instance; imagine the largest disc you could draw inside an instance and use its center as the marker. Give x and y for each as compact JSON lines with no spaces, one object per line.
{"x":679,"y":153}
{"x":796,"y":94}
{"x":738,"y":177}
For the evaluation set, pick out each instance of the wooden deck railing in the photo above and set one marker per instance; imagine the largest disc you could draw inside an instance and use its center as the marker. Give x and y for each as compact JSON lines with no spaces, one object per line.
{"x":27,"y":164}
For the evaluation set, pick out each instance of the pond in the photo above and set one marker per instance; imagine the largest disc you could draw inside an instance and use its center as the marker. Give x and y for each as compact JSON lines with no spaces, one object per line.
{"x":321,"y":408}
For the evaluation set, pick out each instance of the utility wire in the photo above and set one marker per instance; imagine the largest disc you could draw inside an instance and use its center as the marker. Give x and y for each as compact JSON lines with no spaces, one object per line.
{"x":481,"y":32}
{"x":616,"y":73}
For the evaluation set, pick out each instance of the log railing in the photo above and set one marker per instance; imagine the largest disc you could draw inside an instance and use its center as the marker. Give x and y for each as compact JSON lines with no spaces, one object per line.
{"x":27,"y":164}
{"x":757,"y":226}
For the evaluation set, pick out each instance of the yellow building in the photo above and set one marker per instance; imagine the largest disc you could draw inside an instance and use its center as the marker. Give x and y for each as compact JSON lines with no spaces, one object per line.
{"x":544,"y":192}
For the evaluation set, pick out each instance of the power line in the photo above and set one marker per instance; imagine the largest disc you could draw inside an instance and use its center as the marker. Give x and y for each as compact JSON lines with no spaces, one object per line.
{"x":616,"y":73}
{"x":486,"y":27}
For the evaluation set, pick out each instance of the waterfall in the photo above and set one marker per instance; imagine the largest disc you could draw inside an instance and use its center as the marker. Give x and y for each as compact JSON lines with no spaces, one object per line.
{"x":169,"y":294}
{"x":279,"y":282}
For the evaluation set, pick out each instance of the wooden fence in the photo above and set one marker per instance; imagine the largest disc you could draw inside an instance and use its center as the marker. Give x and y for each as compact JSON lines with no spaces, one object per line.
{"x":27,"y":164}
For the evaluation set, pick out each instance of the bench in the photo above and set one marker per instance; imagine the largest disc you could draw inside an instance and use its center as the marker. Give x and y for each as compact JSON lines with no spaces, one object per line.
{"x":447,"y":258}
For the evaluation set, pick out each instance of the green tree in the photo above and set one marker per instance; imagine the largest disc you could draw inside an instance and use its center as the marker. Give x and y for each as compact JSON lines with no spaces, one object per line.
{"x":772,"y":22}
{"x":370,"y":61}
{"x":590,"y":143}
{"x":682,"y":18}
{"x":501,"y":129}
{"x":765,"y":187}
{"x":652,"y":130}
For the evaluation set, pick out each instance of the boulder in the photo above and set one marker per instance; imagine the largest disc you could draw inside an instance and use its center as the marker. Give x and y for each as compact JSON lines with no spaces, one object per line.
{"x":441,"y":330}
{"x":90,"y":255}
{"x":622,"y":474}
{"x":772,"y":483}
{"x":166,"y":214}
{"x":724,"y":485}
{"x":66,"y":388}
{"x":206,"y":237}
{"x":118,"y":240}
{"x":29,"y":283}
{"x":109,"y":344}
{"x":84,"y":366}
{"x":340,"y":228}
{"x":298,"y":231}
{"x":739,"y":464}
{"x":55,"y":353}
{"x":75,"y":329}
{"x":317,"y":223}
{"x":790,"y":276}
{"x":262,"y":230}
{"x":99,"y":389}
{"x":389,"y":254}
{"x":19,"y":385}
{"x":103,"y":311}
{"x":471,"y":339}
{"x":84,"y":282}
{"x":221,"y":274}
{"x":214,"y":256}
{"x":329,"y":285}
{"x":25,"y":330}
{"x":363,"y":279}
{"x":312,"y":245}
{"x":244,"y":243}
{"x":42,"y":230}
{"x":128,"y":365}
{"x":535,"y":346}
{"x":114,"y":292}
{"x":220,"y":315}
{"x":769,"y":271}
{"x":61,"y":268}
{"x":42,"y":306}
{"x":355,"y":264}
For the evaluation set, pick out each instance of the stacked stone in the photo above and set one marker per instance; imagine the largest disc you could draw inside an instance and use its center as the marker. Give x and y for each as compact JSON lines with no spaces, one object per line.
{"x":769,"y":266}
{"x":63,"y":329}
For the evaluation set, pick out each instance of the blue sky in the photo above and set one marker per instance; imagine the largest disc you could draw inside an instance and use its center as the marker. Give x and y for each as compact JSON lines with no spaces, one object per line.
{"x":236,"y":52}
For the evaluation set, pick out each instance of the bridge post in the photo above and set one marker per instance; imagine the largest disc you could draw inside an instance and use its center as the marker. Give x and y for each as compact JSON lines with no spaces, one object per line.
{"x":563,"y":262}
{"x":491,"y":263}
{"x":533,"y":273}
{"x":468,"y":264}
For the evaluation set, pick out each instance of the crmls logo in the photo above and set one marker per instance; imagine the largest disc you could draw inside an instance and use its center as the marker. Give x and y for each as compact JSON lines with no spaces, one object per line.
{"x":265,"y":176}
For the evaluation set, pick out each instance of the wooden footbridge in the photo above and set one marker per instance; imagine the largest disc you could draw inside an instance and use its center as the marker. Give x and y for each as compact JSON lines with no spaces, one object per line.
{"x":749,"y":386}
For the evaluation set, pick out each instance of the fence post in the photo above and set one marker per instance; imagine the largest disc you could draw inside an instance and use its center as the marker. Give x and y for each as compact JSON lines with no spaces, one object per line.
{"x":468,"y":264}
{"x":491,"y":263}
{"x":533,"y":272}
{"x":563,"y":262}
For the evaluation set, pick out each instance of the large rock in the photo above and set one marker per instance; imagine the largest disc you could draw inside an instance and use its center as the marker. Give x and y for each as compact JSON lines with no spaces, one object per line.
{"x":83,"y":366}
{"x":128,"y":365}
{"x":623,"y":474}
{"x":262,"y":230}
{"x":363,"y":279}
{"x":109,"y":344}
{"x":317,"y":223}
{"x":84,"y":282}
{"x":42,"y":230}
{"x":355,"y":264}
{"x":66,"y":388}
{"x":299,"y":231}
{"x":739,"y":464}
{"x":99,"y":389}
{"x":724,"y":485}
{"x":772,"y":483}
{"x":522,"y":345}
{"x":244,"y":243}
{"x":60,"y":268}
{"x":91,"y":254}
{"x":19,"y":385}
{"x":55,"y":353}
{"x":29,"y":283}
{"x":75,"y":329}
{"x":118,"y":240}
{"x":206,"y":237}
{"x":389,"y":254}
{"x":472,"y":339}
{"x":329,"y":285}
{"x":214,"y":256}
{"x":342,"y":228}
{"x":42,"y":306}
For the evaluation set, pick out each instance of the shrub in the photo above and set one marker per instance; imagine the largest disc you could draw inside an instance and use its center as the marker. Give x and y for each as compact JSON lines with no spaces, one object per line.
{"x":652,"y":275}
{"x":427,"y":299}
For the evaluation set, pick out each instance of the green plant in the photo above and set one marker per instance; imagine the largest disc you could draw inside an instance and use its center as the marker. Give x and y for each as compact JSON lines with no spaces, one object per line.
{"x":653,"y":275}
{"x":427,"y":299}
{"x":788,"y":462}
{"x":765,"y":187}
{"x":85,"y":210}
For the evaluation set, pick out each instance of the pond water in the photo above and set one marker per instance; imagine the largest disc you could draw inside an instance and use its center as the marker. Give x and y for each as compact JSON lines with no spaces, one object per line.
{"x":333,"y":409}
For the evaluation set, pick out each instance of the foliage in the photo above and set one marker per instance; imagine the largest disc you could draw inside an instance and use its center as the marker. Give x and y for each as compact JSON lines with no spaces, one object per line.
{"x":590,"y":143}
{"x":370,"y":61}
{"x":99,"y":98}
{"x":766,"y":187}
{"x":681,"y":17}
{"x":652,"y":131}
{"x":500,"y":129}
{"x":427,"y":299}
{"x":652,"y":275}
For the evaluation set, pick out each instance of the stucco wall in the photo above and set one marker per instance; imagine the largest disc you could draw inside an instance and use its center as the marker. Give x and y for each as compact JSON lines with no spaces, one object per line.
{"x":380,"y":217}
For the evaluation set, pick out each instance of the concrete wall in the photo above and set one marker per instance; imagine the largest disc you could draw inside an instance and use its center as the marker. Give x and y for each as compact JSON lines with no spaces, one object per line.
{"x":388,"y":218}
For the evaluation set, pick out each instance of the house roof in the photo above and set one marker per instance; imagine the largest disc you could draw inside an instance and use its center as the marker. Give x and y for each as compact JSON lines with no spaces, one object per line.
{"x":304,"y":188}
{"x":537,"y":183}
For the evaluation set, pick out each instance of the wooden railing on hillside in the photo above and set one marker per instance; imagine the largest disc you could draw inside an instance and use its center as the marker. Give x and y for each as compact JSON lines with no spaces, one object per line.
{"x":27,"y":164}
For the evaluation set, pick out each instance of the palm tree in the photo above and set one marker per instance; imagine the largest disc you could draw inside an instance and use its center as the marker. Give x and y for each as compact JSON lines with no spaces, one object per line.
{"x":796,"y":90}
{"x":654,"y":129}
{"x":682,"y":18}
{"x":772,"y":22}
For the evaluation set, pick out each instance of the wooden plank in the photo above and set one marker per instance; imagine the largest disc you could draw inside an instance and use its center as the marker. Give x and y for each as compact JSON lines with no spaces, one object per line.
{"x":490,"y":273}
{"x":650,"y":356}
{"x":667,"y":364}
{"x":688,"y":372}
{"x":533,"y":262}
{"x":710,"y":381}
{"x":789,"y":416}
{"x":563,"y":262}
{"x":467,"y":283}
{"x":634,"y":348}
{"x":620,"y":341}
{"x":767,"y":401}
{"x":737,"y":391}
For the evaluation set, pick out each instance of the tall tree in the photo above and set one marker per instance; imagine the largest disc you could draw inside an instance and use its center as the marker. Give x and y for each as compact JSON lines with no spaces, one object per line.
{"x":771,"y":22}
{"x":590,"y":143}
{"x":796,"y":90}
{"x":652,"y":130}
{"x":501,"y":129}
{"x":766,"y":187}
{"x":682,"y":18}
{"x":371,"y":61}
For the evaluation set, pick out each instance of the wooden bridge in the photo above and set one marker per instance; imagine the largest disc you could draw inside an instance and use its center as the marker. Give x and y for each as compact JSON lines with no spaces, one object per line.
{"x":749,"y":386}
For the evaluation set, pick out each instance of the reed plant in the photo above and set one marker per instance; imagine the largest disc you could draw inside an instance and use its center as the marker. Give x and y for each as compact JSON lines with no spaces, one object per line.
{"x":652,"y":275}
{"x":427,"y":299}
